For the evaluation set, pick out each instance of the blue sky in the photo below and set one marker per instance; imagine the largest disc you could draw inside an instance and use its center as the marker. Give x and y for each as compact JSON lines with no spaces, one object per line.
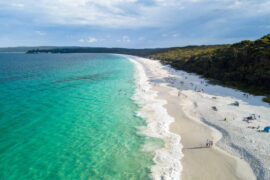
{"x":131,"y":23}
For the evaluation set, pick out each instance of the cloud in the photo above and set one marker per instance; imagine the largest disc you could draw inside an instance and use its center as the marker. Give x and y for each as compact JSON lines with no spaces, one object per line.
{"x":40,"y":33}
{"x":158,"y":21}
{"x":236,"y":4}
{"x":164,"y":35}
{"x":141,"y":38}
{"x":134,"y":13}
{"x":105,"y":13}
{"x":19,"y":5}
{"x":81,"y":40}
{"x":125,"y":39}
{"x":92,"y":40}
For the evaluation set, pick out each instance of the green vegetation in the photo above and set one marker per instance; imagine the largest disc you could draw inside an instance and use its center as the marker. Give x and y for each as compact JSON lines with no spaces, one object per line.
{"x":267,"y":99}
{"x":244,"y":65}
{"x":183,"y":54}
{"x":137,"y":52}
{"x":23,"y":49}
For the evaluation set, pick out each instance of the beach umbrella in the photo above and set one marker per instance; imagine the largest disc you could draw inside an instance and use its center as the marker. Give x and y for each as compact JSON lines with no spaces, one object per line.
{"x":267,"y":129}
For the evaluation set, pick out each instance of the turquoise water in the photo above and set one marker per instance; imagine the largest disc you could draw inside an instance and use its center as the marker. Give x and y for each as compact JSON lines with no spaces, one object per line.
{"x":69,"y":116}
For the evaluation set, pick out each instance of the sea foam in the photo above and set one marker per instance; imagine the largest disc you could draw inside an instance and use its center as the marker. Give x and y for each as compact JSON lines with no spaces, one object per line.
{"x":167,"y":159}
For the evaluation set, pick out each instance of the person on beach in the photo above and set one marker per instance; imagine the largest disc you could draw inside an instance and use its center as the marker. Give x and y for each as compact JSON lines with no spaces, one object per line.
{"x":207,"y":143}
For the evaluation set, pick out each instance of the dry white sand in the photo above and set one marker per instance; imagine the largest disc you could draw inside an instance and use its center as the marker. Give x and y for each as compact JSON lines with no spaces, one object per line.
{"x":195,"y":121}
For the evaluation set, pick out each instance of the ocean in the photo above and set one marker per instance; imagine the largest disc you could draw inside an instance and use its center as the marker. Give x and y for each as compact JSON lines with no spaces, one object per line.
{"x":71,"y":116}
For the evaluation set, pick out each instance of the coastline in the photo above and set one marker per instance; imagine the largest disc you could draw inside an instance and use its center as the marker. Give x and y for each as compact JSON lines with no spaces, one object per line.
{"x":194,"y":124}
{"x":167,"y":158}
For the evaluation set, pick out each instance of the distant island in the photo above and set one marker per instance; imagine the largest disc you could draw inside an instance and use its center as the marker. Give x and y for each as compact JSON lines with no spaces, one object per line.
{"x":244,"y":65}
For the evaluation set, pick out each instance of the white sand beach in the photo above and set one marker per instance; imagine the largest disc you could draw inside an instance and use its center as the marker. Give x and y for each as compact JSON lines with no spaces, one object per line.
{"x":240,"y":150}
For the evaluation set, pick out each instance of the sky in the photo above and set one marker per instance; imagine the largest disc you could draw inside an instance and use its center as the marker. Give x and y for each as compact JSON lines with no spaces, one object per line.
{"x":131,"y":23}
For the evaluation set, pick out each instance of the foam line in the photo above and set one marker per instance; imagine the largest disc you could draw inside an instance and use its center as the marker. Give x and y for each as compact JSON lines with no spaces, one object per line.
{"x":167,"y":159}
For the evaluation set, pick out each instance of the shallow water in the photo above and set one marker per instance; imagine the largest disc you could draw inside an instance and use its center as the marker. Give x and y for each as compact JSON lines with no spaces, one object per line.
{"x":70,"y":116}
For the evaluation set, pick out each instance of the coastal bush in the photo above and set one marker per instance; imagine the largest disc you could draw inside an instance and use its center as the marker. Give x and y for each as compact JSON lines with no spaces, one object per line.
{"x":244,"y":65}
{"x":267,"y":99}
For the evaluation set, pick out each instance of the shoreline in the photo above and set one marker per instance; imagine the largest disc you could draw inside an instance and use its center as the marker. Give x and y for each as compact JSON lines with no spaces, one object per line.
{"x":167,"y":158}
{"x":223,"y":161}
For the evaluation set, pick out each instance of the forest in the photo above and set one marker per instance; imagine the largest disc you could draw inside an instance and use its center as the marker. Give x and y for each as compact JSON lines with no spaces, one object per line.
{"x":244,"y":65}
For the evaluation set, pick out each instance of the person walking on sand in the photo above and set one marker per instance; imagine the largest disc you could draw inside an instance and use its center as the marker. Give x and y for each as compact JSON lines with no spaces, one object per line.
{"x":211,"y":143}
{"x":207,"y":143}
